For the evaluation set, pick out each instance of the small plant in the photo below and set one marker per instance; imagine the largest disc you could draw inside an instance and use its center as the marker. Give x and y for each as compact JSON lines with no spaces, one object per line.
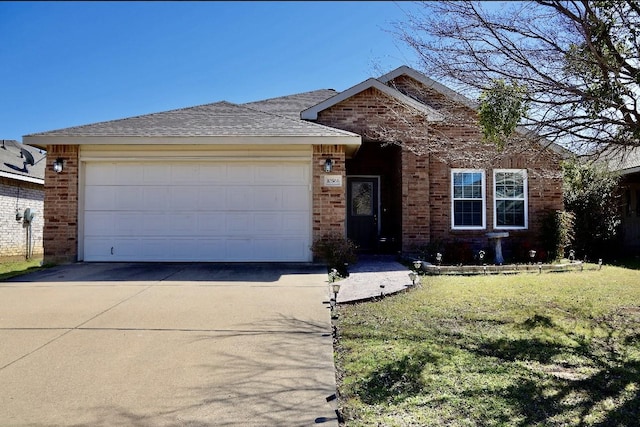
{"x":337,"y":251}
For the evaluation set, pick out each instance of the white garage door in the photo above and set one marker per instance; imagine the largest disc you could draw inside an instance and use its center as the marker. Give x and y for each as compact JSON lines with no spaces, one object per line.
{"x":197,"y":211}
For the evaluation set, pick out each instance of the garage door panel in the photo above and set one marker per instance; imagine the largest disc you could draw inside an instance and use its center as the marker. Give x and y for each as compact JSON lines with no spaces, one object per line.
{"x":239,"y":174}
{"x":185,"y":174}
{"x":268,"y":198}
{"x":182,"y":198}
{"x":97,"y":248}
{"x":125,"y":248}
{"x":128,"y":198}
{"x":211,"y":198}
{"x":292,"y":246}
{"x":239,"y":249}
{"x":152,"y":174}
{"x":240,"y":198}
{"x":212,"y":224}
{"x":99,"y":224}
{"x":182,"y":224}
{"x":127,"y":224}
{"x":212,"y":250}
{"x":295,"y":198}
{"x":152,"y":224}
{"x":182,"y":250}
{"x":296,"y":223}
{"x":239,"y":224}
{"x":281,"y":174}
{"x":126,"y":173}
{"x":196,"y":211}
{"x":100,"y":197}
{"x":100,"y":174}
{"x":152,"y":249}
{"x":155,"y":198}
{"x":212,"y":173}
{"x":267,"y":223}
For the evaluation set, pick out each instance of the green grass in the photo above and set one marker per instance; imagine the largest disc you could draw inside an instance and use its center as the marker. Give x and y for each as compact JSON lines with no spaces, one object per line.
{"x":17,"y":268}
{"x":557,"y":349}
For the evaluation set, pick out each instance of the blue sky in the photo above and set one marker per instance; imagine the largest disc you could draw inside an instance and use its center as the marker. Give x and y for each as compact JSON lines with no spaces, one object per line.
{"x":70,"y":63}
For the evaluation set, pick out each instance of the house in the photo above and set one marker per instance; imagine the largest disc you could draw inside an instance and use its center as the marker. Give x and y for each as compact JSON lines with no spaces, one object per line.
{"x":394,"y":163}
{"x":627,"y":164}
{"x":21,"y":200}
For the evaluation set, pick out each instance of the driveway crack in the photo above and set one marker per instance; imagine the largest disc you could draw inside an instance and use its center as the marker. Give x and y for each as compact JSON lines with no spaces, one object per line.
{"x":77,"y":327}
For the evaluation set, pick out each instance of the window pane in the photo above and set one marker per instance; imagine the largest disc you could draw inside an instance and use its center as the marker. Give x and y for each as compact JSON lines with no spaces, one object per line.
{"x":467,"y":213}
{"x":361,"y":198}
{"x":509,"y":185}
{"x":510,"y":213}
{"x":467,"y":185}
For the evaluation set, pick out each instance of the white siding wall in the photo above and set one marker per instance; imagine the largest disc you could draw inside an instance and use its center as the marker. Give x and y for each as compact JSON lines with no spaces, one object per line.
{"x":13,"y":234}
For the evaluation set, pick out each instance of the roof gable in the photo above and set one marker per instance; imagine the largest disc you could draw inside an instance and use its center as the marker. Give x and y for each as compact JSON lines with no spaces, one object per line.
{"x":312,"y":113}
{"x":430,"y":83}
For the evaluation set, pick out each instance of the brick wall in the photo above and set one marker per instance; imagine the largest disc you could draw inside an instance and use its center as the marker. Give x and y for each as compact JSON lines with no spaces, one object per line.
{"x":20,"y":195}
{"x":329,"y":205}
{"x":61,"y":206}
{"x":431,"y":150}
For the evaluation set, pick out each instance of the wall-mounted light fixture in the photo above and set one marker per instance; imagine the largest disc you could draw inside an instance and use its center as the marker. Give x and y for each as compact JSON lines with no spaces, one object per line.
{"x":328,"y":165}
{"x":58,"y":165}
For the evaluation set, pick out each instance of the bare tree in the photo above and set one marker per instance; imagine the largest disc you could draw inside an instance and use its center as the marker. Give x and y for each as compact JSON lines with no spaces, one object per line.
{"x":452,"y":133}
{"x":575,"y":63}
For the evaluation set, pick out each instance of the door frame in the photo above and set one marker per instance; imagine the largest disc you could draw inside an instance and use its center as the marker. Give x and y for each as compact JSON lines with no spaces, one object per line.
{"x":348,"y":202}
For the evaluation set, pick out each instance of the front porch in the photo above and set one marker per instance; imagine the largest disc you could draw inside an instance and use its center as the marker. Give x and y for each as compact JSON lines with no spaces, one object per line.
{"x":374,"y":198}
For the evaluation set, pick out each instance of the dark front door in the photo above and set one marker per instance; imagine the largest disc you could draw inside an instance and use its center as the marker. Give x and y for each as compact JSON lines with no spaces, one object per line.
{"x":362,"y":212}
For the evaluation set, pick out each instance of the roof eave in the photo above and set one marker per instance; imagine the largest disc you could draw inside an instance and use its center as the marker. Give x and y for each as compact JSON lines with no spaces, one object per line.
{"x":42,"y":141}
{"x":24,"y":178}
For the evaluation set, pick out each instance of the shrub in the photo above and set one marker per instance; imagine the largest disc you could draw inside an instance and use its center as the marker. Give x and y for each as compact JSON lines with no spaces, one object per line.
{"x":557,"y":233}
{"x":590,"y":192}
{"x":336,"y":250}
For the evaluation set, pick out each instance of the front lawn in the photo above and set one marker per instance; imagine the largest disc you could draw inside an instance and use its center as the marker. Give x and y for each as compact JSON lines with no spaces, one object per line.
{"x":10,"y":269}
{"x":556,"y":349}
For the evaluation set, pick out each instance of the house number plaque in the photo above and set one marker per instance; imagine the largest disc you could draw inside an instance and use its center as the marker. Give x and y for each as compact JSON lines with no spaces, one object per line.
{"x":332,"y":180}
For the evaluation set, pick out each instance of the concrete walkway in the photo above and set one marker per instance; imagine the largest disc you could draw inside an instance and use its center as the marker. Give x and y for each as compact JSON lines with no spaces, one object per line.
{"x":373,"y":276}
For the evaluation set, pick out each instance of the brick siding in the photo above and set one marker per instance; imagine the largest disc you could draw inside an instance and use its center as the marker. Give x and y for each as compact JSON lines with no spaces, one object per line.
{"x":329,"y":205}
{"x":61,"y":206}
{"x":17,"y":196}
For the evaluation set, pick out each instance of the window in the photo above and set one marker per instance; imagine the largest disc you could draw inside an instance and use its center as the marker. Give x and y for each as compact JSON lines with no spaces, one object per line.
{"x":467,"y":199}
{"x":510,"y":198}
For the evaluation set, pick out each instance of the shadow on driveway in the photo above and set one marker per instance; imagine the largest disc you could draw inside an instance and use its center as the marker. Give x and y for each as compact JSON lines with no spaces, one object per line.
{"x":160,"y":271}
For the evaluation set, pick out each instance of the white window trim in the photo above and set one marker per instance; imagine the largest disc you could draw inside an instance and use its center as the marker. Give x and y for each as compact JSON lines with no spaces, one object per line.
{"x":526,"y":200}
{"x":484,"y":200}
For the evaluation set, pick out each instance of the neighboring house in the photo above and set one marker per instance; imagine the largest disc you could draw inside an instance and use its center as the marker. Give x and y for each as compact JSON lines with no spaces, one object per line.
{"x":21,"y":189}
{"x":260,"y":181}
{"x":627,"y":164}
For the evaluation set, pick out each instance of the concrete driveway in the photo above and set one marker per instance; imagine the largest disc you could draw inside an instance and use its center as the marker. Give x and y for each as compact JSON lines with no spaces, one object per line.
{"x":166,"y":344}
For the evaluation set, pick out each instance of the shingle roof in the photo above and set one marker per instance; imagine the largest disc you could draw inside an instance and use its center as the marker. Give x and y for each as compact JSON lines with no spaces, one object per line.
{"x":623,"y":160}
{"x":13,"y":164}
{"x":217,"y":119}
{"x":292,"y":105}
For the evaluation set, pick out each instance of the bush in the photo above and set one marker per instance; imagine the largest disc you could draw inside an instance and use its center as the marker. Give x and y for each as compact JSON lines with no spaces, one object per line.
{"x":557,"y":233}
{"x":591,"y":193}
{"x":336,"y":250}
